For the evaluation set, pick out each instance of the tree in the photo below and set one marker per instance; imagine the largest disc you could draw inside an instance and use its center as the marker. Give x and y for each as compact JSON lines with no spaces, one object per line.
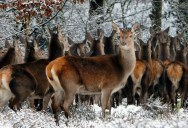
{"x":156,"y":14}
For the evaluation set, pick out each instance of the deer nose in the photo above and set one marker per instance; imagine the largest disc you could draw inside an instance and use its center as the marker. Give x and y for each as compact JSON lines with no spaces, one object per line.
{"x":124,"y":43}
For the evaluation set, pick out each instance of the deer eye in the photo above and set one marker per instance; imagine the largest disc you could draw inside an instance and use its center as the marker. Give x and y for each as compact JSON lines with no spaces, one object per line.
{"x":118,"y":37}
{"x":131,"y":36}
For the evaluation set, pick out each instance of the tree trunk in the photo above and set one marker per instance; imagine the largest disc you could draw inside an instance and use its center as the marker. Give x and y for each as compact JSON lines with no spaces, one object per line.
{"x":96,"y":7}
{"x":156,"y":14}
{"x":183,"y":16}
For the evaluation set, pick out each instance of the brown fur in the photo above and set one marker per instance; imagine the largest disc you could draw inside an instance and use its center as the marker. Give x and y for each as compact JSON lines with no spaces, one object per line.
{"x":147,"y":78}
{"x":29,"y":79}
{"x":136,"y":77}
{"x":96,"y":48}
{"x":177,"y":74}
{"x":104,"y":74}
{"x":176,"y":81}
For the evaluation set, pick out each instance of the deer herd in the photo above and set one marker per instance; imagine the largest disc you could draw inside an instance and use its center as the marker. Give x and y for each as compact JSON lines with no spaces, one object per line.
{"x":100,"y":71}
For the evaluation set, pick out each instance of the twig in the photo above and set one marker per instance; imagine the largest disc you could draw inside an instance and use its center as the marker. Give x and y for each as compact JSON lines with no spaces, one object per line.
{"x":41,"y":24}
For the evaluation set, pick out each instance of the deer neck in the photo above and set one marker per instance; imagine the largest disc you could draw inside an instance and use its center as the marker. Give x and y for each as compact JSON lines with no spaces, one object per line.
{"x":180,"y":56}
{"x":164,"y":53}
{"x":127,"y":59}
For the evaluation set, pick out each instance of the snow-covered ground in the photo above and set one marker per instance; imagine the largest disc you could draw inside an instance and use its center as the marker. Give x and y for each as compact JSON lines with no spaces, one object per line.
{"x":153,"y":116}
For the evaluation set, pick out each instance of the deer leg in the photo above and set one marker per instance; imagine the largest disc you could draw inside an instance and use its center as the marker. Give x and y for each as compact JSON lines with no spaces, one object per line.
{"x":31,"y":103}
{"x":105,"y":97}
{"x":77,"y":100}
{"x":97,"y":99}
{"x":68,"y":99}
{"x":15,"y":104}
{"x":172,"y":96}
{"x":46,"y":100}
{"x":134,"y":89}
{"x":113,"y":100}
{"x":143,"y":95}
{"x":109,"y":105}
{"x":57,"y":99}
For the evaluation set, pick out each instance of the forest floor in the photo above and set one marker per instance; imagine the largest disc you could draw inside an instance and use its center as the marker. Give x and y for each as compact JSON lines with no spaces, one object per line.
{"x":154,"y":115}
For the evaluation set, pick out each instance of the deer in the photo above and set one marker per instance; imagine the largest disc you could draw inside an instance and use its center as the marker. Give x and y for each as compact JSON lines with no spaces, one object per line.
{"x":111,"y":47}
{"x":105,"y":75}
{"x":96,"y":49}
{"x":13,"y":54}
{"x":131,"y":91}
{"x":6,"y":78}
{"x":28,"y":80}
{"x":173,"y":43}
{"x":79,"y":49}
{"x":166,"y":53}
{"x":177,"y":77}
{"x":163,"y":42}
{"x":111,"y":43}
{"x":146,"y":75}
{"x":8,"y":57}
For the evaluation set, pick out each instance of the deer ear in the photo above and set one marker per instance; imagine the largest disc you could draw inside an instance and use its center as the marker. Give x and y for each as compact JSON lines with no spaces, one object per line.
{"x":35,"y":43}
{"x":7,"y":44}
{"x":149,"y":44}
{"x":137,"y":46}
{"x":167,"y":30}
{"x":185,"y":50}
{"x":100,"y":33}
{"x":141,"y":42}
{"x":180,"y":35}
{"x":115,"y":27}
{"x":152,"y":32}
{"x":70,"y":41}
{"x":15,"y":42}
{"x":135,"y":27}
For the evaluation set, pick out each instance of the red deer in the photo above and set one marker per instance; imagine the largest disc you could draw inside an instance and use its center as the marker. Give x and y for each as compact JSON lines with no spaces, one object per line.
{"x":96,"y":49}
{"x":6,"y":79}
{"x":163,"y":54}
{"x":13,"y":54}
{"x":154,"y":43}
{"x":173,"y":43}
{"x":79,"y":49}
{"x":163,"y":46}
{"x":111,"y":47}
{"x":177,"y":77}
{"x":97,"y":46}
{"x":102,"y":74}
{"x":29,"y":79}
{"x":132,"y":89}
{"x":145,"y":76}
{"x":111,"y":43}
{"x":8,"y":57}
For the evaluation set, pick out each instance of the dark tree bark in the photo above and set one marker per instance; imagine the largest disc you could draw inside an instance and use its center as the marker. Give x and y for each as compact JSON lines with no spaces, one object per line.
{"x":156,"y":14}
{"x":94,"y":6}
{"x":183,"y":15}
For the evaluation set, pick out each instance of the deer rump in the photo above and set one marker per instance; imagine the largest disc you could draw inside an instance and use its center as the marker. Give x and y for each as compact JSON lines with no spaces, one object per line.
{"x":23,"y":80}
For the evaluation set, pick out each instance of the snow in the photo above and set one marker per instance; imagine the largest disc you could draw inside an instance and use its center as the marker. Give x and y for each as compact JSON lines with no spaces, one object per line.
{"x":85,"y":116}
{"x":76,"y":16}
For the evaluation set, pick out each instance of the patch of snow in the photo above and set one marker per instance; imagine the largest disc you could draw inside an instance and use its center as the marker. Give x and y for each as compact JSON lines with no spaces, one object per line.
{"x":85,"y":116}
